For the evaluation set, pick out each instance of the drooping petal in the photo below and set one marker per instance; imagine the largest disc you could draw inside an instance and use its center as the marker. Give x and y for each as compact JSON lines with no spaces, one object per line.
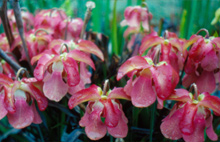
{"x":81,"y":57}
{"x":71,"y":68}
{"x":121,"y":130}
{"x":192,"y":40}
{"x":134,"y":63}
{"x":42,"y":65}
{"x":96,"y":129}
{"x":90,"y":47}
{"x":210,"y":62}
{"x":128,"y":86}
{"x":170,"y":125}
{"x":206,"y":82}
{"x":210,"y":132}
{"x":88,"y":94}
{"x":55,"y":88}
{"x":3,"y":111}
{"x":180,"y":95}
{"x":118,"y":93}
{"x":165,"y":79}
{"x":23,"y":115}
{"x":142,"y":94}
{"x":186,"y":124}
{"x":198,"y":134}
{"x":111,"y":113}
{"x":37,"y":119}
{"x":149,"y":42}
{"x":189,"y":79}
{"x":36,"y":94}
{"x":209,"y":101}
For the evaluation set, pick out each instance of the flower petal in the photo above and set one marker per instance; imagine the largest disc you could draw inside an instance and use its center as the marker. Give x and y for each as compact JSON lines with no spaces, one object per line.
{"x":134,"y":63}
{"x":180,"y":95}
{"x":90,"y":47}
{"x":209,"y":101}
{"x":23,"y":115}
{"x":81,"y":57}
{"x":118,"y":93}
{"x":198,"y":134}
{"x":37,"y":119}
{"x":210,"y":62}
{"x":210,"y":132}
{"x":142,"y":94}
{"x":88,"y":94}
{"x":71,"y":68}
{"x":170,"y":125}
{"x":96,"y":129}
{"x":165,"y":79}
{"x":206,"y":82}
{"x":5,"y":80}
{"x":3,"y":110}
{"x":187,"y":122}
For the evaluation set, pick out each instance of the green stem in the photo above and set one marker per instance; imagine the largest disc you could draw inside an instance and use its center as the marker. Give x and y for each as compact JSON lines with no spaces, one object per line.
{"x":152,"y":120}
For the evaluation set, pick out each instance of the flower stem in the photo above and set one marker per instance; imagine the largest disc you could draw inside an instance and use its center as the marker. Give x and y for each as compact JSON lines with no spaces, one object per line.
{"x":205,"y":30}
{"x":152,"y":120}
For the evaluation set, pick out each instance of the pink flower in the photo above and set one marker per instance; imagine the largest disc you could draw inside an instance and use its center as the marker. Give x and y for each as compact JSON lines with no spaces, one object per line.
{"x":54,"y":67}
{"x":191,"y":116}
{"x":103,"y":112}
{"x":170,"y":49}
{"x":136,"y":17}
{"x":202,"y":63}
{"x":15,"y":98}
{"x":151,"y":82}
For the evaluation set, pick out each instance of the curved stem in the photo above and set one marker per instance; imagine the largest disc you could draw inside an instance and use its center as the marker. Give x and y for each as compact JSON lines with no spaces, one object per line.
{"x":194,"y":86}
{"x":20,"y":72}
{"x":205,"y":30}
{"x":106,"y":87}
{"x":41,"y":29}
{"x":61,"y":48}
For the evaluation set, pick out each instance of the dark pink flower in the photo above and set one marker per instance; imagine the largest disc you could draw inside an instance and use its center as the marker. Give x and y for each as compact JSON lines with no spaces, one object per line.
{"x":152,"y":81}
{"x":15,"y":98}
{"x":191,"y":116}
{"x":103,"y":112}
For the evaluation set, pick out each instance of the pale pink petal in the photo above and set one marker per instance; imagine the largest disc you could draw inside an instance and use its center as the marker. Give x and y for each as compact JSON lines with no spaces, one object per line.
{"x":198,"y":134}
{"x":96,"y":129}
{"x":210,"y":132}
{"x":90,"y":47}
{"x":128,"y":87}
{"x":81,"y":57}
{"x":189,"y":79}
{"x":206,"y":82}
{"x":142,"y":94}
{"x":55,"y":88}
{"x":88,"y":94}
{"x":170,"y":125}
{"x":118,"y":93}
{"x":23,"y":115}
{"x":37,"y":119}
{"x":180,"y":95}
{"x":134,"y":63}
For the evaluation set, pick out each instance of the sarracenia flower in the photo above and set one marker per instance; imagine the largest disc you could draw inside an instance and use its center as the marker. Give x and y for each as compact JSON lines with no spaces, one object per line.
{"x":55,"y":66}
{"x":152,"y":81}
{"x":190,"y":116}
{"x":103,"y":112}
{"x":17,"y":101}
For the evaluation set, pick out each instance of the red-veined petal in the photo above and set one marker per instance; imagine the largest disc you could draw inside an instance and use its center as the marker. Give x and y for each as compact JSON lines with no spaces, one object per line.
{"x":118,"y":93}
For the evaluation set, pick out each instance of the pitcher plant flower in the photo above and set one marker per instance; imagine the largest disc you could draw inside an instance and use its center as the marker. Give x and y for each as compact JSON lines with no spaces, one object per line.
{"x":17,"y":101}
{"x":103,"y":112}
{"x":152,"y":81}
{"x":190,"y":116}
